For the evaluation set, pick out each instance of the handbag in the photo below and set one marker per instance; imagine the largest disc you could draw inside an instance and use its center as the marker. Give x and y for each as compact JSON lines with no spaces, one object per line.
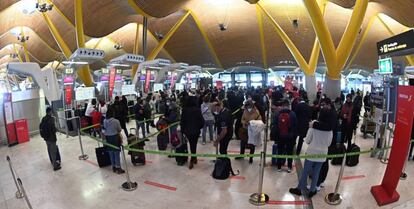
{"x":243,"y":134}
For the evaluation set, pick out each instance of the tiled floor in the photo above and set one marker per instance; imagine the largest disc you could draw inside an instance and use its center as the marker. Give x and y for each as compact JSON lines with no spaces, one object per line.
{"x":82,"y":185}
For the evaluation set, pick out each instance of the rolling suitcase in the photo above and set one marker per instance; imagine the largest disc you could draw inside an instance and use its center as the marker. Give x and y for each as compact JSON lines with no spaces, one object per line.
{"x":338,"y":149}
{"x":102,"y":157}
{"x":353,"y":160}
{"x":137,"y":158}
{"x":181,"y":148}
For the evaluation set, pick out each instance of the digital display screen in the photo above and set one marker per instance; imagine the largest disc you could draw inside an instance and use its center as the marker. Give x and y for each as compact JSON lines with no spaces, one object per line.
{"x":85,"y":93}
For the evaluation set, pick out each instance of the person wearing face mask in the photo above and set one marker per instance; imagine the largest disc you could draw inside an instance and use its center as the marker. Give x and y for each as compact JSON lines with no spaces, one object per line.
{"x":250,"y":113}
{"x":224,"y":127}
{"x":346,"y":116}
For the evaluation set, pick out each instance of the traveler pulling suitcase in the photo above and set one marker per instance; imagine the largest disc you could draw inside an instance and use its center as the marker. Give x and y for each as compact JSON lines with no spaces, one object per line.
{"x":181,"y":148}
{"x":137,"y":158}
{"x":353,"y":160}
{"x":339,"y":148}
{"x":162,"y":137}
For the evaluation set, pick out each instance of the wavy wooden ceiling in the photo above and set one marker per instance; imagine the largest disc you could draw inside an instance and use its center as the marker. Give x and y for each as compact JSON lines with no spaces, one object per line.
{"x":116,"y":20}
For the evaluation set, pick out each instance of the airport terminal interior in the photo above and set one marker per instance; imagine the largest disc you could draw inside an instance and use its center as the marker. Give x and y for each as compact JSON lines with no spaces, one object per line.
{"x":205,"y":104}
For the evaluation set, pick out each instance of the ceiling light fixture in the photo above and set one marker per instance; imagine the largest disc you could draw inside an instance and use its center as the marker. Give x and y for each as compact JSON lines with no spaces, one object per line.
{"x":44,"y":7}
{"x":27,"y":7}
{"x":118,"y":46}
{"x":75,"y":62}
{"x":22,"y":38}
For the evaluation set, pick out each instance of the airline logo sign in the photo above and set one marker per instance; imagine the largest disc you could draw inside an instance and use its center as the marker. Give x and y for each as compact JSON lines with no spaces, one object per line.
{"x":399,"y":45}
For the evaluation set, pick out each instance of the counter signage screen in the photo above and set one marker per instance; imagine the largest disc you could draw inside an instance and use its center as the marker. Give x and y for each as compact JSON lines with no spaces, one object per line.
{"x":147,"y":80}
{"x":85,"y":93}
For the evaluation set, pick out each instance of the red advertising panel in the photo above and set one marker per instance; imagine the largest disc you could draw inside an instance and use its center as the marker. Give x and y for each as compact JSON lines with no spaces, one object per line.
{"x":147,"y":80}
{"x":8,"y":119}
{"x":68,"y":94}
{"x":172,"y":81}
{"x":22,"y":131}
{"x":386,"y":192}
{"x":112,"y":74}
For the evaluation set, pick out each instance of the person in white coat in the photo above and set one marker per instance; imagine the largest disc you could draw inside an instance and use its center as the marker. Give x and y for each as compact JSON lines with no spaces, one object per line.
{"x":318,"y":142}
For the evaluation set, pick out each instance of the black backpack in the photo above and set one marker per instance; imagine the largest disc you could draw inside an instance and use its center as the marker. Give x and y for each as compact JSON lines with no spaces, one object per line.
{"x":44,"y":128}
{"x":223,"y":169}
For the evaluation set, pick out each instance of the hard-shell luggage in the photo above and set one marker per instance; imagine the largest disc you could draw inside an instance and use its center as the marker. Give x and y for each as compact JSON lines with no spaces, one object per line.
{"x":353,"y":160}
{"x":163,"y":137}
{"x":137,"y":158}
{"x":102,"y":157}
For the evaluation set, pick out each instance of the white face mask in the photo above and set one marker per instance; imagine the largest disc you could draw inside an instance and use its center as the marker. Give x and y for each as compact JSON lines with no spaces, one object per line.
{"x":249,"y":109}
{"x":168,"y":103}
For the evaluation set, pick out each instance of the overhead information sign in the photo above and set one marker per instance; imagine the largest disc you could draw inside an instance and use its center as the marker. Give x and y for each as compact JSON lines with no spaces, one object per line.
{"x":385,"y":66}
{"x":399,"y":45}
{"x":85,"y":93}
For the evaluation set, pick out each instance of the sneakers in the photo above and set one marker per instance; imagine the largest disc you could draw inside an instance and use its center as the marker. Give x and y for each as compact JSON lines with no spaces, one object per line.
{"x":318,"y":188}
{"x":279,"y":170}
{"x":322,"y":185}
{"x":120,"y":171}
{"x":57,"y":168}
{"x":289,"y":170}
{"x":204,"y":143}
{"x":295,"y":191}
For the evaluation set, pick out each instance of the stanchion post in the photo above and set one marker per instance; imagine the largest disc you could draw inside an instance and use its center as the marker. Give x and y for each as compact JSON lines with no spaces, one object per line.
{"x":261,"y":198}
{"x":128,"y":185}
{"x":24,"y":193}
{"x":335,"y":198}
{"x":19,"y":193}
{"x":83,"y":156}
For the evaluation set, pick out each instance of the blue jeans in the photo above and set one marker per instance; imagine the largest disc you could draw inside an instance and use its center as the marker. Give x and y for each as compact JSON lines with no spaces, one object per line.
{"x":208,"y":124}
{"x":313,"y":168}
{"x":142,"y":126}
{"x":115,"y":158}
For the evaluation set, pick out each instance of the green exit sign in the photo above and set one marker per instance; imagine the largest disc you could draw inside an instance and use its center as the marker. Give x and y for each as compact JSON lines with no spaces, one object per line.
{"x":385,"y":66}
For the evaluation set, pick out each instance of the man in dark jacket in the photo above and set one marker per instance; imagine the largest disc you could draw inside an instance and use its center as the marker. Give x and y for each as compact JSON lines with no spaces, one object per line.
{"x":303,"y":113}
{"x":121,"y":113}
{"x":139,"y":117}
{"x":48,"y":133}
{"x":285,"y":132}
{"x":192,"y":122}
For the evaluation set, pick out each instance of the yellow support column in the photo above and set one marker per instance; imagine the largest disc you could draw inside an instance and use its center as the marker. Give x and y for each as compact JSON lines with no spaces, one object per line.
{"x":167,"y":37}
{"x":26,"y":53}
{"x":17,"y":53}
{"x":262,"y":38}
{"x":83,"y":73}
{"x":56,"y":35}
{"x":206,"y":39}
{"x":136,"y":48}
{"x":362,"y":40}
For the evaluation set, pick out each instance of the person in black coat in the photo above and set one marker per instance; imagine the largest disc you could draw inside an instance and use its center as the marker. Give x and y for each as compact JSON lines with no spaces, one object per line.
{"x":303,"y":115}
{"x":192,"y":122}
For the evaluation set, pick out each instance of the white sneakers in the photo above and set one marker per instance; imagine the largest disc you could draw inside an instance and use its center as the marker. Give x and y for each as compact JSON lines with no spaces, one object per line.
{"x":318,"y":188}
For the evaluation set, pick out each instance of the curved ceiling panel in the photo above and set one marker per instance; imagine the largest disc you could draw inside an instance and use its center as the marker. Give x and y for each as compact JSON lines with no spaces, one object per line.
{"x":161,"y":8}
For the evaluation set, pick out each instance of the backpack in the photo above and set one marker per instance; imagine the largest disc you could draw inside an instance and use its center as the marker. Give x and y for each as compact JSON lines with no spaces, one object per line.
{"x":223,"y":169}
{"x":44,"y":128}
{"x":284,"y":123}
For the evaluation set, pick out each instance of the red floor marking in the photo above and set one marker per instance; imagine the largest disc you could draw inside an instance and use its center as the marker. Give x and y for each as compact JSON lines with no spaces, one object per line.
{"x":148,"y":161}
{"x":279,"y":202}
{"x":92,"y":163}
{"x":201,"y":160}
{"x":233,"y":151}
{"x":238,"y":177}
{"x":160,"y":185}
{"x":353,"y":177}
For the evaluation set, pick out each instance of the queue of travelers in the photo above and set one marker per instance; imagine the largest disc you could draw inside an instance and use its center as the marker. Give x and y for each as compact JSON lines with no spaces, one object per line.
{"x":223,"y":114}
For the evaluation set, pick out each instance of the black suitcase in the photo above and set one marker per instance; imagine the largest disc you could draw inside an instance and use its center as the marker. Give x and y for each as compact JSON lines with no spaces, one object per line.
{"x":353,"y":160}
{"x":162,"y":141}
{"x":137,"y":158}
{"x":338,"y":149}
{"x":102,"y":157}
{"x":182,"y":148}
